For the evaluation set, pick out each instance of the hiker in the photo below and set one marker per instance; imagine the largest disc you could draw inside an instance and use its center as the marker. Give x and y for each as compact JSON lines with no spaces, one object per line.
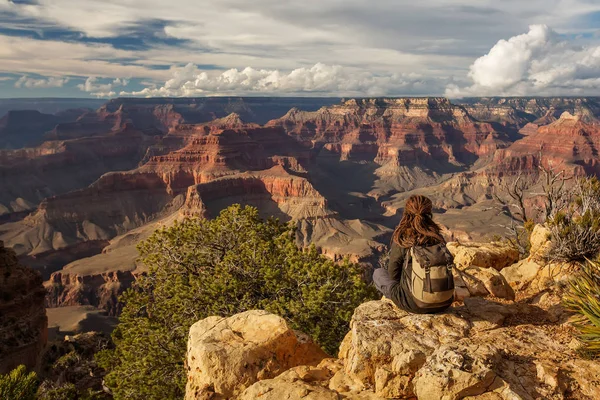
{"x":418,"y":277}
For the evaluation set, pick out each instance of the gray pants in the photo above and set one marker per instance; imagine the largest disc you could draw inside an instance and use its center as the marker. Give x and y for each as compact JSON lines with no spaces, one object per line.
{"x":383,"y":282}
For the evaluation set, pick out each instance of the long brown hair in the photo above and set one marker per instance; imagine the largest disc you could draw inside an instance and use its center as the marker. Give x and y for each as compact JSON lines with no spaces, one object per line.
{"x":416,"y":228}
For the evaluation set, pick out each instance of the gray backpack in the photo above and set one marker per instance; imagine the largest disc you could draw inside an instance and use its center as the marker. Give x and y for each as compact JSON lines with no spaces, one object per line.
{"x":430,"y":276}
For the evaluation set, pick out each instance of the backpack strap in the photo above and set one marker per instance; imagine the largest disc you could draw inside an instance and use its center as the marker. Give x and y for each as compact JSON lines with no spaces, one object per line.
{"x":405,"y":272}
{"x":427,"y":283}
{"x":407,"y":258}
{"x":450,"y":267}
{"x":427,"y":286}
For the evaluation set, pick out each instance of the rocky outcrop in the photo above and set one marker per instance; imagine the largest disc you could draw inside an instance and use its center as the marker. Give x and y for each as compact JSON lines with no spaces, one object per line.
{"x":23,"y":321}
{"x":227,"y":355}
{"x":481,"y":350}
{"x":536,"y":272}
{"x":484,"y":255}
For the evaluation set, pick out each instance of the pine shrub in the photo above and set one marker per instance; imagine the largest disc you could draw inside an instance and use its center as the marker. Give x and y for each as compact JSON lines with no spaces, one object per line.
{"x":234,"y":263}
{"x":18,"y":384}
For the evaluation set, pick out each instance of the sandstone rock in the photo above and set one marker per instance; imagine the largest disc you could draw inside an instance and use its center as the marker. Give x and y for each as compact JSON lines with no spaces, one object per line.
{"x":536,"y":276}
{"x":401,"y":355}
{"x":289,"y":386}
{"x":227,"y":355}
{"x":492,"y":280}
{"x":486,"y":314}
{"x":23,"y":321}
{"x":522,"y":273}
{"x":456,"y":371}
{"x":480,"y":282}
{"x":540,"y":243}
{"x":386,"y":346}
{"x":483,"y":350}
{"x":484,"y":255}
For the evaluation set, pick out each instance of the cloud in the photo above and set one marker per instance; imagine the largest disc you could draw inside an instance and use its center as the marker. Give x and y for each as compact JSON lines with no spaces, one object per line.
{"x":439,"y":39}
{"x":318,"y":79}
{"x":42,"y":83}
{"x":539,"y":62}
{"x":92,"y":86}
{"x":22,"y":55}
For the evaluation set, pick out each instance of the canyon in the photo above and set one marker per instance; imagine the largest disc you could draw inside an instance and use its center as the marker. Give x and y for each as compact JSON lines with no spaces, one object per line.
{"x":81,"y":187}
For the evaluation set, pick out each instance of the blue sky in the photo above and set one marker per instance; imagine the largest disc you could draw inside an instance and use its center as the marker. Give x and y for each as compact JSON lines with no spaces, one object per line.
{"x":90,"y":48}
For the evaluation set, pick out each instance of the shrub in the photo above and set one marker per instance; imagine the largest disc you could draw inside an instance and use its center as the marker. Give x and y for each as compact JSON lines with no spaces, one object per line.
{"x":49,"y":391}
{"x":18,"y":384}
{"x":583,"y":297}
{"x":234,"y":263}
{"x":576,"y":229}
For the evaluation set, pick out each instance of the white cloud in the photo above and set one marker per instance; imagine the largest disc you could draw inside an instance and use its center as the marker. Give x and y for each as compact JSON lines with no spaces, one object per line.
{"x":92,"y":86}
{"x":320,"y":78}
{"x":41,"y":83}
{"x":539,"y":62}
{"x":439,"y":39}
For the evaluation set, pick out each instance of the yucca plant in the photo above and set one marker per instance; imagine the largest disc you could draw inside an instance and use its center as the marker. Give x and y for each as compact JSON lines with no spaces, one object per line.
{"x":583,"y":297}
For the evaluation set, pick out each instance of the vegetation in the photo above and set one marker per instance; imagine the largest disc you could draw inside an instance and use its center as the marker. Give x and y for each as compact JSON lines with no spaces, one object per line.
{"x":70,"y":371}
{"x":583,"y":297}
{"x":576,"y":227}
{"x":18,"y":384}
{"x":67,"y":391}
{"x":234,"y":263}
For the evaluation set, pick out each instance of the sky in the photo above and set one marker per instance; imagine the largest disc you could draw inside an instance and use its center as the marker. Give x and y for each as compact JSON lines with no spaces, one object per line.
{"x":145,"y":48}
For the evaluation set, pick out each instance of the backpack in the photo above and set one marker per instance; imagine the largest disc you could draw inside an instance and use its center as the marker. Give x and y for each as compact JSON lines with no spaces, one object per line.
{"x":430,"y":277}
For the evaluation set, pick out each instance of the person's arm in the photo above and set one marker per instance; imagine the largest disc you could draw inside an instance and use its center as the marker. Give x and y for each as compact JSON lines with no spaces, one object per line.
{"x":396,"y":262}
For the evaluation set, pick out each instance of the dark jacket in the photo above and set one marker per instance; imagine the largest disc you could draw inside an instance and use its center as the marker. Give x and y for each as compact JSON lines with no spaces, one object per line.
{"x":393,"y":281}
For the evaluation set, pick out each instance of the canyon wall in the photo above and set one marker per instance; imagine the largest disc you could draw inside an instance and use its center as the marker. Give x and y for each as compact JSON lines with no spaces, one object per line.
{"x":23,"y":322}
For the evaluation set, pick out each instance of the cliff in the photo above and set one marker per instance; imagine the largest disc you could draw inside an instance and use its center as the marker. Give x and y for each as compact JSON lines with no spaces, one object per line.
{"x":20,"y":128}
{"x":23,"y":322}
{"x":483,"y":347}
{"x":404,"y":131}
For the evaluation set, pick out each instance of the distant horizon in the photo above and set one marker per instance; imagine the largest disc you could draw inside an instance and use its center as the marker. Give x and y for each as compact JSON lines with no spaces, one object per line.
{"x":293,"y":97}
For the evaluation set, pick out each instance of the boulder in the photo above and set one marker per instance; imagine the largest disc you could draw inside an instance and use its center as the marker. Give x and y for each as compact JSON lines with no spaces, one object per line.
{"x":540,"y":243}
{"x":495,"y":284}
{"x":227,"y":355}
{"x":485,"y":255}
{"x":481,"y":282}
{"x":522,"y":273}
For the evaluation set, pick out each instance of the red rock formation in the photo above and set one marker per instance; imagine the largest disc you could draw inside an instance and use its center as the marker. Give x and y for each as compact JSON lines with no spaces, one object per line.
{"x":27,"y":176}
{"x":571,"y":142}
{"x":402,"y":131}
{"x":101,"y":290}
{"x":23,"y":322}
